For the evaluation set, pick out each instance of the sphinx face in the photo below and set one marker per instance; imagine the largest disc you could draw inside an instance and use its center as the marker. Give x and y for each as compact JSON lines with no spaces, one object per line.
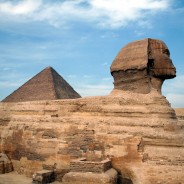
{"x":159,"y":63}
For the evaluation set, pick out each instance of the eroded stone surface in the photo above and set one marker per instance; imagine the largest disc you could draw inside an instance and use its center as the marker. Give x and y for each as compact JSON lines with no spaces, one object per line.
{"x":108,"y":177}
{"x":138,"y":131}
{"x":142,"y":66}
{"x":84,"y":165}
{"x":5,"y":164}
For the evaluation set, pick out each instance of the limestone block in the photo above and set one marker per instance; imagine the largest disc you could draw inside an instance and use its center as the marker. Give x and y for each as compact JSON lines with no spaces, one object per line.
{"x":84,"y":165}
{"x":109,"y":177}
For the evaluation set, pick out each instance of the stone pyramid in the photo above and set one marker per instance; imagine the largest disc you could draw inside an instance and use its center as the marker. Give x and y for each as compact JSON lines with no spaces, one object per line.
{"x":46,"y":85}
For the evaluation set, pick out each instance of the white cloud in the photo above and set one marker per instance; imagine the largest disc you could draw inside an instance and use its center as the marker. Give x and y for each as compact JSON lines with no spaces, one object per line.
{"x":117,"y":13}
{"x":20,"y":8}
{"x":106,"y":13}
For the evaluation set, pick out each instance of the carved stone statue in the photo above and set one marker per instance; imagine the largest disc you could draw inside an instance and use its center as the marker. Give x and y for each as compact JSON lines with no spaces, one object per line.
{"x":134,"y":127}
{"x":142,"y":66}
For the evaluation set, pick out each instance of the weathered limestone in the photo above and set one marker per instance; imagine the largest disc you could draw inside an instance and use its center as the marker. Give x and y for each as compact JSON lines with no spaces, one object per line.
{"x":137,"y":131}
{"x":180,"y":113}
{"x":142,"y":66}
{"x":5,"y":164}
{"x":108,"y":177}
{"x":44,"y":177}
{"x":84,"y":165}
{"x":141,"y":136}
{"x":84,"y":171}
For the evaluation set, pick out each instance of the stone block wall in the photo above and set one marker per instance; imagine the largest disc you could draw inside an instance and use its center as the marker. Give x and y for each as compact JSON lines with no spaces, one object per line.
{"x":83,"y":165}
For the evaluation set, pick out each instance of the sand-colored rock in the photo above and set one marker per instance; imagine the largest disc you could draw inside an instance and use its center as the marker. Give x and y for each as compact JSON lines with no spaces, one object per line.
{"x":108,"y":177}
{"x":179,"y":111}
{"x":142,"y":65}
{"x":139,"y":132}
{"x":14,"y":178}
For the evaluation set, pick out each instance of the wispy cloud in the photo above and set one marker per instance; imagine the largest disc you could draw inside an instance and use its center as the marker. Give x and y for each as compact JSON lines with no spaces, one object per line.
{"x":104,"y":13}
{"x":21,"y":7}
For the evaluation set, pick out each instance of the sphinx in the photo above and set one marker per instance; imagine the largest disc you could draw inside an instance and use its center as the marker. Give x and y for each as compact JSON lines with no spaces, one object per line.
{"x":134,"y":126}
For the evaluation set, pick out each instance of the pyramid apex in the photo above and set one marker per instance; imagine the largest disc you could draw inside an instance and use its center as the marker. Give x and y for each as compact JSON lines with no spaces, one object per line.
{"x":48,"y":67}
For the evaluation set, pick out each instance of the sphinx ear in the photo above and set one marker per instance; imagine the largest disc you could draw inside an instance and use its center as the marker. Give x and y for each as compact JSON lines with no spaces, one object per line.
{"x":150,"y":67}
{"x":150,"y":63}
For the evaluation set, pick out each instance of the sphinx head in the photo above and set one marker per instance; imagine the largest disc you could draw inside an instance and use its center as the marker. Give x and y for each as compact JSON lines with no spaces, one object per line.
{"x":142,"y":66}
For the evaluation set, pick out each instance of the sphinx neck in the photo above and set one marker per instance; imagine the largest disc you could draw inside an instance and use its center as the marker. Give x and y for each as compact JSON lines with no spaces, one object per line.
{"x":137,"y":81}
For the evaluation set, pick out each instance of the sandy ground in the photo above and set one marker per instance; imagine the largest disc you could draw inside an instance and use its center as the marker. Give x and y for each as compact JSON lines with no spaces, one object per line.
{"x":179,"y":111}
{"x":13,"y":178}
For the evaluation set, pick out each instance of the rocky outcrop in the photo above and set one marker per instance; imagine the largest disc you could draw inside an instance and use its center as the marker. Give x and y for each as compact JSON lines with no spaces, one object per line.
{"x":138,"y":132}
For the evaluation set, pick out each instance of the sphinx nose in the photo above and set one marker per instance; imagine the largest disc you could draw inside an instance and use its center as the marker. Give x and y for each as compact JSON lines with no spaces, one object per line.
{"x":175,"y":70}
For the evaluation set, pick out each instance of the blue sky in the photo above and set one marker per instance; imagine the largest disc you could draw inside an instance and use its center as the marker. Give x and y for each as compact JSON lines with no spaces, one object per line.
{"x":80,"y":39}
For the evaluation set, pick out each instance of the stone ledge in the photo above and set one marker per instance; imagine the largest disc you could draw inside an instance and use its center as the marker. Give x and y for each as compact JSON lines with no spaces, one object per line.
{"x":84,"y":165}
{"x":108,"y":177}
